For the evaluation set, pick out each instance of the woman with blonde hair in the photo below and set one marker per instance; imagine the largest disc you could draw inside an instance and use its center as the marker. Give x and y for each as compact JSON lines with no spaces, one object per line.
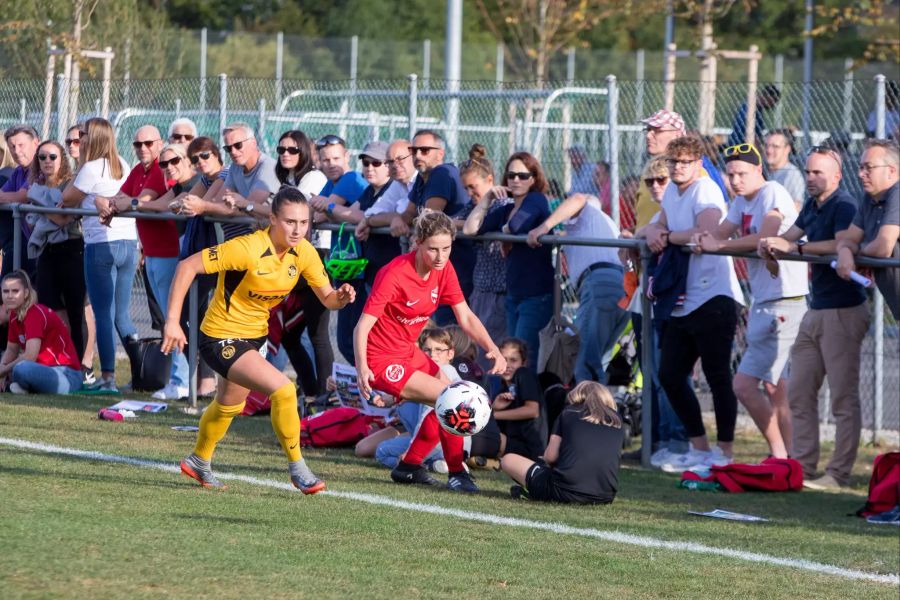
{"x":582,"y":457}
{"x":7,"y":164}
{"x":40,"y":356}
{"x":110,"y":251}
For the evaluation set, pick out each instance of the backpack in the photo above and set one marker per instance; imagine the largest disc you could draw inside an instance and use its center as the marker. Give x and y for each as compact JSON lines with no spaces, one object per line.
{"x":334,"y":428}
{"x":153,"y":371}
{"x":771,"y":475}
{"x":884,"y":485}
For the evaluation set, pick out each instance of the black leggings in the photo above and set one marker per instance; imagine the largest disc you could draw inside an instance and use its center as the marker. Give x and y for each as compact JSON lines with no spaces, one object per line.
{"x":315,"y":320}
{"x":708,"y":334}
{"x":60,"y":284}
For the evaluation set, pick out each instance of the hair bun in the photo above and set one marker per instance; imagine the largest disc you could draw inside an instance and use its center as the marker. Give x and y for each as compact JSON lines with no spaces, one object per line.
{"x":477,"y":152}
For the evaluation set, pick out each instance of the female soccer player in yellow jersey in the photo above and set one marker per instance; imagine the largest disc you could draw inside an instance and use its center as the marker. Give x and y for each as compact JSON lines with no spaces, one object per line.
{"x":256,"y":272}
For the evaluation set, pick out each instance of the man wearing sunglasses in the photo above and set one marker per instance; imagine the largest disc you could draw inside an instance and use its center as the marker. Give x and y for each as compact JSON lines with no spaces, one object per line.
{"x":876,"y":226}
{"x":396,"y":198}
{"x":22,"y":141}
{"x":703,"y":321}
{"x":182,"y":131}
{"x":761,"y":209}
{"x":831,"y":333}
{"x":251,"y":180}
{"x":438,"y":187}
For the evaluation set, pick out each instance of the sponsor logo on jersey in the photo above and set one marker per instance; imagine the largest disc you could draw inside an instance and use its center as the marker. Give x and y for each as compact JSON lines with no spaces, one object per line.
{"x":412,"y":302}
{"x":265,"y":297}
{"x":413,"y":321}
{"x":212,"y":253}
{"x":292,"y":271}
{"x":228,"y":352}
{"x":434,"y":296}
{"x":394,"y":373}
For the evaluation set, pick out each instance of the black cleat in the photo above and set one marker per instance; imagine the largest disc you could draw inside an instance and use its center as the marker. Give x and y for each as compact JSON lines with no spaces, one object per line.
{"x":417,"y":475}
{"x":462,"y":482}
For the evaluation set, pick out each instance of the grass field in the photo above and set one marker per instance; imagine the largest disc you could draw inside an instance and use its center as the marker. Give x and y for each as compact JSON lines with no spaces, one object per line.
{"x":75,"y":527}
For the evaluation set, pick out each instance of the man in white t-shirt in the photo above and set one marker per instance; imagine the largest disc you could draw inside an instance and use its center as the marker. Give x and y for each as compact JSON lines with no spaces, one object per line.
{"x":598,"y":273}
{"x":763,"y":209}
{"x":703,"y":322}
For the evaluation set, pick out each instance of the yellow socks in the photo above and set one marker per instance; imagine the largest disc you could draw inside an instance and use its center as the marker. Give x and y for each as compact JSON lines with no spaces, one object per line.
{"x":213,"y":425}
{"x":286,"y":420}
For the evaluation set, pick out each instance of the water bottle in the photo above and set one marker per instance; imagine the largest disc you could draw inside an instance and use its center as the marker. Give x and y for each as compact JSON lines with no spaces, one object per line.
{"x":706,"y":486}
{"x":108,"y":414}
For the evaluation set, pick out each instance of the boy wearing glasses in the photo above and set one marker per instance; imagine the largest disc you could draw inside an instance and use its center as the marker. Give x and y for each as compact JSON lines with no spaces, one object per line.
{"x":702,"y":324}
{"x":831,"y":333}
{"x":761,"y":209}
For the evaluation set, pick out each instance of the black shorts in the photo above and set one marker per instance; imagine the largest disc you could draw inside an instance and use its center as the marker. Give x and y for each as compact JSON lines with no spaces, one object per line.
{"x":486,"y":442}
{"x":540,"y":486}
{"x":220,"y":353}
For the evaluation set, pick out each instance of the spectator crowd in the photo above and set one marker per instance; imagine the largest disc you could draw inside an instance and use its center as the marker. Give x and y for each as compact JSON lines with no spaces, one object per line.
{"x":693,"y":193}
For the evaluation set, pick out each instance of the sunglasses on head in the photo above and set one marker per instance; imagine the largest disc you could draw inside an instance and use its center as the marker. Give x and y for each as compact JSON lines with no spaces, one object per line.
{"x":146,"y":143}
{"x":423,"y":150}
{"x":521,"y":176}
{"x":828,"y":151}
{"x":43,"y":157}
{"x":649,"y":181}
{"x":182,"y":136}
{"x":330,"y":140}
{"x":196,"y":158}
{"x":72,"y":141}
{"x":742,"y":149}
{"x":292,"y":150}
{"x":371,"y":162}
{"x":236,"y":145}
{"x":172,"y":161}
{"x":82,"y":133}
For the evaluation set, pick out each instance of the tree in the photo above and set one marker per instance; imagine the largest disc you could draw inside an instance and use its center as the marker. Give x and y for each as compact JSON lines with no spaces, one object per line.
{"x":876,"y":18}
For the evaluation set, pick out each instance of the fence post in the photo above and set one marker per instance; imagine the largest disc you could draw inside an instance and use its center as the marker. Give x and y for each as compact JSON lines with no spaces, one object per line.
{"x":880,"y":134}
{"x":223,"y":104}
{"x":193,"y":327}
{"x":203,"y":69}
{"x":279,"y":65}
{"x":848,"y":94}
{"x":48,"y":93}
{"x":453,"y":74}
{"x":639,"y":82}
{"x":261,"y":128}
{"x":612,"y":95}
{"x":354,"y":65}
{"x":670,"y":76}
{"x":779,"y":83}
{"x":62,"y":93}
{"x":107,"y":73}
{"x":177,"y":108}
{"x":426,"y":73}
{"x":807,"y":71}
{"x":647,"y":366}
{"x":752,"y":76}
{"x":413,"y":103}
{"x":17,"y":237}
{"x":498,"y":103}
{"x":23,"y":110}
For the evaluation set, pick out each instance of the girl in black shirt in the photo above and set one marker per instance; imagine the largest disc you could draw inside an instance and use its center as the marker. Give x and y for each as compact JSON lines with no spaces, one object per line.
{"x":582,"y":457}
{"x":519,"y":405}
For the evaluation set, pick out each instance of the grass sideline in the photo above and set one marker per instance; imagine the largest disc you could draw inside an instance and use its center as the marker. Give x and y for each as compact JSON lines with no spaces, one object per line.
{"x":79,"y":528}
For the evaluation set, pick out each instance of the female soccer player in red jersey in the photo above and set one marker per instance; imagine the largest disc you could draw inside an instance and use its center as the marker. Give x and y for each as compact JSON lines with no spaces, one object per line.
{"x":406,"y":293}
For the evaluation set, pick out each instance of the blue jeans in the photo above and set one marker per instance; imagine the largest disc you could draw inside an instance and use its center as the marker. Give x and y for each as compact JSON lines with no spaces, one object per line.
{"x":525,"y":317}
{"x":42,"y":379}
{"x":389,"y":451}
{"x":599,"y":321}
{"x":668,"y":432}
{"x":160,"y":272}
{"x":109,"y":273}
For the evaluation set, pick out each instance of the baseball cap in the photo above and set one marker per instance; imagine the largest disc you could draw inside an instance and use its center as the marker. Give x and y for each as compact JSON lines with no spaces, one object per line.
{"x":665,"y":120}
{"x":376,"y":150}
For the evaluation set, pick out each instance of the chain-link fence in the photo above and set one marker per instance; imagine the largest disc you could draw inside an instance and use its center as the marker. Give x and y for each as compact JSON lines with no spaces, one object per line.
{"x":603,"y":116}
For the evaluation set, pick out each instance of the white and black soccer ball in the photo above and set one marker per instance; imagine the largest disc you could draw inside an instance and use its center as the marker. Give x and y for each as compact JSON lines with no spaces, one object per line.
{"x":463,"y":408}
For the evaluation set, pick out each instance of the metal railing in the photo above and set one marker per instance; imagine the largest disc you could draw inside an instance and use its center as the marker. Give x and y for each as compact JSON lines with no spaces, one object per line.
{"x":647,"y":366}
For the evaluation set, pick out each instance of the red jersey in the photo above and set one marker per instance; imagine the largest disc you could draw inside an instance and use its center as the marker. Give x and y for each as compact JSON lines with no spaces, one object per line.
{"x":57,"y":349}
{"x":403,"y":302}
{"x":158,"y":238}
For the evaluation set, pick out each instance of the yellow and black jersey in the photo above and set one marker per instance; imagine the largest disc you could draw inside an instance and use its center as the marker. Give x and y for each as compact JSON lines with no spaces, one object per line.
{"x":252,"y":279}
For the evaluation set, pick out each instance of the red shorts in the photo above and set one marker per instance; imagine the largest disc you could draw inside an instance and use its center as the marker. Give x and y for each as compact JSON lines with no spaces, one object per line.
{"x":391,"y":374}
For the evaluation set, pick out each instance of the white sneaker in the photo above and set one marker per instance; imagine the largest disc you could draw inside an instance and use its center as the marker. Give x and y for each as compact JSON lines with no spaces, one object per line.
{"x":661,"y":457}
{"x":15,"y":388}
{"x":683,"y":462}
{"x":170,"y":392}
{"x":439,"y":466}
{"x":715,"y":458}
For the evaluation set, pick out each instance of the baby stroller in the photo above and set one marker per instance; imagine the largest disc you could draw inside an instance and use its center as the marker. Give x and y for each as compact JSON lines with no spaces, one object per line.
{"x":625,"y":380}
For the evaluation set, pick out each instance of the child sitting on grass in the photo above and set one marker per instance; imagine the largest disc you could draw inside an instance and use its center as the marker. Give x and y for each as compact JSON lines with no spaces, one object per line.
{"x":518,"y":404}
{"x":581,"y":462}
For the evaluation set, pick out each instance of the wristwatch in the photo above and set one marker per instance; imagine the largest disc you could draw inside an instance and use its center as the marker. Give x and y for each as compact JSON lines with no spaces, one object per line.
{"x":800,"y":244}
{"x":329,"y":210}
{"x":135,"y":203}
{"x":248,"y":209}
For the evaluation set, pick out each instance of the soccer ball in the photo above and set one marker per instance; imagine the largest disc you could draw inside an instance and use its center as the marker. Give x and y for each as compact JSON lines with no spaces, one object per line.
{"x":463,"y":408}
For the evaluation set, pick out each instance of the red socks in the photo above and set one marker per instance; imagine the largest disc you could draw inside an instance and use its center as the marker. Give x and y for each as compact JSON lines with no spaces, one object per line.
{"x":430,"y":432}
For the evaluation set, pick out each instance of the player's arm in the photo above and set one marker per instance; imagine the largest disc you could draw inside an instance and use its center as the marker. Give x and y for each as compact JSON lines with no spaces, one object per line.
{"x":335,"y":299}
{"x":551,"y":454}
{"x":9,"y":355}
{"x":364,"y":375}
{"x":475,"y":329}
{"x":10,"y":360}
{"x":185,"y":273}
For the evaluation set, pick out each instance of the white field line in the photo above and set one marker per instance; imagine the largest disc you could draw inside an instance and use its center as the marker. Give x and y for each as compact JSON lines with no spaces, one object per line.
{"x":559,"y":528}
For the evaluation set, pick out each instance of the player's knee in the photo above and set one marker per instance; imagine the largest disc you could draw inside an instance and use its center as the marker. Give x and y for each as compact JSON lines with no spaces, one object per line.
{"x":286,"y":394}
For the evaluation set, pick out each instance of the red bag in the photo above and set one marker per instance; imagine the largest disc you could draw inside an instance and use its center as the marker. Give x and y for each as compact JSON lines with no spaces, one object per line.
{"x":772,"y":475}
{"x":884,"y":485}
{"x":334,"y":428}
{"x":256,"y":403}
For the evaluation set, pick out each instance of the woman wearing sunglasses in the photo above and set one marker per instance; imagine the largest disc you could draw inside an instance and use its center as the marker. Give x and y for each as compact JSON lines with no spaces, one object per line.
{"x":56,"y":241}
{"x":529,"y":271}
{"x":296,"y":164}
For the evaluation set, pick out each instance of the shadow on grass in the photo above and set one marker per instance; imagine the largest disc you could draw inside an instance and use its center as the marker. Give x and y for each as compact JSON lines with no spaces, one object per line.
{"x":56,"y":475}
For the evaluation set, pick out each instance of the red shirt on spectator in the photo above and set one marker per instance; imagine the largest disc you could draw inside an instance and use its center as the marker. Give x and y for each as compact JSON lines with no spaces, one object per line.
{"x":57,"y":349}
{"x":158,"y":238}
